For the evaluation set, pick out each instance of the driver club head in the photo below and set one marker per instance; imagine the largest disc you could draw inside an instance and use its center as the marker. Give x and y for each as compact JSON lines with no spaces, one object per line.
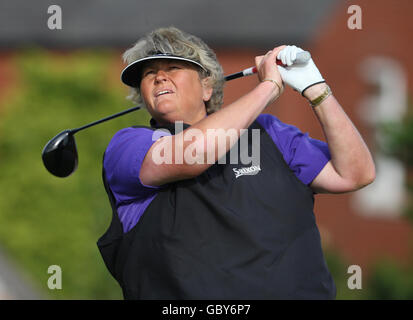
{"x":60,"y":154}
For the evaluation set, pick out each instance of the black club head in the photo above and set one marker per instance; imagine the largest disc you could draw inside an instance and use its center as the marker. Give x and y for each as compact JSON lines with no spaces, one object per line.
{"x":60,"y":154}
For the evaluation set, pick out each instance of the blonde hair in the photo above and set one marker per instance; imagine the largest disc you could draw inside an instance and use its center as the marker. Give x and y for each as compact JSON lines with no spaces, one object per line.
{"x":177,"y":42}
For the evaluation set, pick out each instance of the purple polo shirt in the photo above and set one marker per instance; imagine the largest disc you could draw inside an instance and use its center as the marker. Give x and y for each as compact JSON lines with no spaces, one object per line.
{"x":126,"y":151}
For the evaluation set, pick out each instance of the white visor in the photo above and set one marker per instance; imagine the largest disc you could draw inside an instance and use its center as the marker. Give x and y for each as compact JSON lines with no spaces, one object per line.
{"x":131,"y":75}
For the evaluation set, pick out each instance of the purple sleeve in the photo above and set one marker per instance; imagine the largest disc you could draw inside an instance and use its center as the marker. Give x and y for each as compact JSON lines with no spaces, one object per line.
{"x":304,"y":155}
{"x":123,"y":160}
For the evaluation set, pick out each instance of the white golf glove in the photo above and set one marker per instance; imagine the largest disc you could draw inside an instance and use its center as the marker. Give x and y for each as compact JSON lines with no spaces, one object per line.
{"x":297,"y":76}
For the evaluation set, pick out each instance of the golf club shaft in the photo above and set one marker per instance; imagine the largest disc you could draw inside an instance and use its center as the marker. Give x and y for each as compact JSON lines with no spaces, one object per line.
{"x":60,"y":155}
{"x":302,"y":57}
{"x":73,"y":131}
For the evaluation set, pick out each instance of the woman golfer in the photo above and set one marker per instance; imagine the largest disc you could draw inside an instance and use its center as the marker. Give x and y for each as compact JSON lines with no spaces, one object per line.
{"x":189,"y":223}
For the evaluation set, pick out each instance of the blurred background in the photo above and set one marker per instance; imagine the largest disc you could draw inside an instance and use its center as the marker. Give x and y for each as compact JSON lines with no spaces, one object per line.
{"x":55,"y":79}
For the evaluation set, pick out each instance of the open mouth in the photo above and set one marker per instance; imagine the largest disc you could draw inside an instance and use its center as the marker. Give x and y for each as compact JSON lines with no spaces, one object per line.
{"x":163,"y":92}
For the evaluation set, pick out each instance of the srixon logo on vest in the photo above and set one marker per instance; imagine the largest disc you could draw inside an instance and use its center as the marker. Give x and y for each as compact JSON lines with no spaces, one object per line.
{"x":193,"y":146}
{"x":248,"y":171}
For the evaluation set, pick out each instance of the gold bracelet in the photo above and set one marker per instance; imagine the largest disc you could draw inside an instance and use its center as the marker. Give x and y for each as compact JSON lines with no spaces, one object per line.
{"x":327,"y":92}
{"x":273,"y":81}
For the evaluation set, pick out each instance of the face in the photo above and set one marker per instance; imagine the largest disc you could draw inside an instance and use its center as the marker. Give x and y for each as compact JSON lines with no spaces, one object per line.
{"x":172,"y":90}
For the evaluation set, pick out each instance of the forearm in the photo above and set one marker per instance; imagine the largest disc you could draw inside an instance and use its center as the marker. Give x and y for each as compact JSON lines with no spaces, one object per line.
{"x":349,"y":154}
{"x":236,"y":116}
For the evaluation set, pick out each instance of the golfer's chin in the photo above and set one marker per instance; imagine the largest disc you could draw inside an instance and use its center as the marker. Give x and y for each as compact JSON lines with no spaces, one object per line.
{"x":166,"y":111}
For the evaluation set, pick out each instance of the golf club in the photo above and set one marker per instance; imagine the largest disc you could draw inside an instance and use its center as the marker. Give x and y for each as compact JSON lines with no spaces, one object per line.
{"x":302,"y":57}
{"x":60,"y":154}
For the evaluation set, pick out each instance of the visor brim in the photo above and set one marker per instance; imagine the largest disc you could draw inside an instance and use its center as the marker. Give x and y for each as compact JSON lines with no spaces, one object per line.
{"x":131,"y":75}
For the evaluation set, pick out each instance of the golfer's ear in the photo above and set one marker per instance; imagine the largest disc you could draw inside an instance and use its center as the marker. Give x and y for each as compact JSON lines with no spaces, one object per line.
{"x":207,"y":88}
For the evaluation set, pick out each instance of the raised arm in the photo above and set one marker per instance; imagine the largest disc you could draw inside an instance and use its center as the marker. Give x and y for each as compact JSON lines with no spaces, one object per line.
{"x":351,"y":166}
{"x":238,"y":115}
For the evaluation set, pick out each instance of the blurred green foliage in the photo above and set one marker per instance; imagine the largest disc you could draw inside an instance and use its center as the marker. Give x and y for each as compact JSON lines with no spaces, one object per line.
{"x":338,"y":266}
{"x":389,"y":281}
{"x":386,"y":279}
{"x":45,"y":220}
{"x":399,"y":144}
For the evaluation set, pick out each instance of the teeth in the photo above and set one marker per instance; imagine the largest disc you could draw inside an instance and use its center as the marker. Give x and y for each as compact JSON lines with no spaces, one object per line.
{"x":162,"y":92}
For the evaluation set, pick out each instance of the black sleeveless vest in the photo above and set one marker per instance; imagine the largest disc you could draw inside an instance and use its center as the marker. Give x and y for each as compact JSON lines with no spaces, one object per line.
{"x":221,"y":237}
